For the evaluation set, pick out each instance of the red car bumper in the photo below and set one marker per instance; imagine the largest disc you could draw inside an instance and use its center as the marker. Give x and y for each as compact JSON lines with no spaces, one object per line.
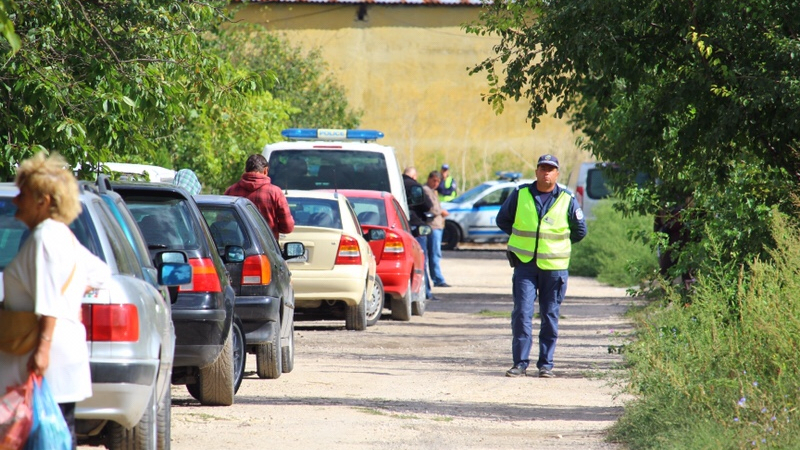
{"x":394,"y":275}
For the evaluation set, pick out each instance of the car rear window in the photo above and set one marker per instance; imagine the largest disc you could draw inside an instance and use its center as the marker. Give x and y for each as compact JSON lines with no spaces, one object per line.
{"x":225,"y":226}
{"x":329,"y":169}
{"x":596,"y":188}
{"x":370,"y":211}
{"x":315,"y":212}
{"x":13,"y":233}
{"x":166,"y":222}
{"x":262,"y":226}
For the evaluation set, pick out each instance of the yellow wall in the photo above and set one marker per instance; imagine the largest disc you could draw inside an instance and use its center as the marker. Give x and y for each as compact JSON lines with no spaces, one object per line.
{"x":406,"y":68}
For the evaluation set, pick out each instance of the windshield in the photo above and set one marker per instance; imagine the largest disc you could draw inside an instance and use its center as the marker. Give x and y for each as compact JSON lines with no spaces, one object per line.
{"x":329,"y":169}
{"x":472,"y":194}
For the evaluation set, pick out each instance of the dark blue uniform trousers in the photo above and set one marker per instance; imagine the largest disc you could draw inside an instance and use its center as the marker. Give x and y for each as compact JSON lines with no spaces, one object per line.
{"x":549,"y":286}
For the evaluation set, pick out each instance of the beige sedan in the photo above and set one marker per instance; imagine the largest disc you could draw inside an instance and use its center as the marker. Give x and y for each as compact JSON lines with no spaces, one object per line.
{"x":335,"y":278}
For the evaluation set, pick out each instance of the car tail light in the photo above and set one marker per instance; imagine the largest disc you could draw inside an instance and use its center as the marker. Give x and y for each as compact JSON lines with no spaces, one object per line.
{"x":579,"y":195}
{"x":111,"y":323}
{"x":256,"y":270}
{"x":348,"y":252}
{"x":204,"y":277}
{"x":393,"y":248}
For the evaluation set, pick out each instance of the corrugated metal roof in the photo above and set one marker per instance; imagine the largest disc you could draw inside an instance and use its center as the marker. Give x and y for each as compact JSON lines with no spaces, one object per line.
{"x":379,"y":2}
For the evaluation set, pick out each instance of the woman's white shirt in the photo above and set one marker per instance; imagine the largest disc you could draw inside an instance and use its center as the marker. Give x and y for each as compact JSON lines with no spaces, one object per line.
{"x":33,"y":281}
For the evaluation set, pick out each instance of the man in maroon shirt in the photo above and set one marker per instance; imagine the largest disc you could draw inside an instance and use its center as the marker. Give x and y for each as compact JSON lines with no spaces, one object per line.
{"x":255,"y":185}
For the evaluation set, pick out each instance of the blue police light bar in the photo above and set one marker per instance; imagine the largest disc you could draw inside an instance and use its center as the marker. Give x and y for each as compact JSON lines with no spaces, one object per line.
{"x":507,"y":175}
{"x":331,"y":134}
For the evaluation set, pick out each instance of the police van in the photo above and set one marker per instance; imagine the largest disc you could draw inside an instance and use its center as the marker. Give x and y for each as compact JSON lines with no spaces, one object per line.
{"x":313,"y":158}
{"x":590,"y":186}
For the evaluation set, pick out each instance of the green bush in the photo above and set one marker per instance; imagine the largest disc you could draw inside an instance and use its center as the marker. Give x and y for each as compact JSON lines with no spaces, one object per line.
{"x":609,"y":252}
{"x":726,"y":361}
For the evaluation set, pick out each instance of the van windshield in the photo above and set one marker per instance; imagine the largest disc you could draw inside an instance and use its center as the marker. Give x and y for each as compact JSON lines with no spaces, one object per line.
{"x":328,"y":169}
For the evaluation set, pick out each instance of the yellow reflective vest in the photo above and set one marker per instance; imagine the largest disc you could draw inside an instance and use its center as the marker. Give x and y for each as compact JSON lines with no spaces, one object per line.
{"x":548,"y":239}
{"x":448,"y":183}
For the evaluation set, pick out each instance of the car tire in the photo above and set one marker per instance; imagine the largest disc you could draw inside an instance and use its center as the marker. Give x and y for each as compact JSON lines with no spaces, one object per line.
{"x":268,"y":356}
{"x":356,"y":318}
{"x":143,"y":436}
{"x":375,"y":304}
{"x":215,"y":382}
{"x":287,"y":351}
{"x":451,"y":236}
{"x":164,"y":420}
{"x":239,"y":354}
{"x":418,"y":307}
{"x":401,"y":307}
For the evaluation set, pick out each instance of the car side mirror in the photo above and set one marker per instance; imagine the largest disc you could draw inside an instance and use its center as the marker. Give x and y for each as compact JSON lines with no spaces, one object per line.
{"x":234,"y":254}
{"x":174,"y":274}
{"x":170,"y":257}
{"x":375,"y":234}
{"x":424,"y":230}
{"x":293,"y":250}
{"x":416,"y":196}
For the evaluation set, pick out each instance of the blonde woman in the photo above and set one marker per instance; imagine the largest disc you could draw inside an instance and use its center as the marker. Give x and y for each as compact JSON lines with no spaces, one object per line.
{"x":49,"y":276}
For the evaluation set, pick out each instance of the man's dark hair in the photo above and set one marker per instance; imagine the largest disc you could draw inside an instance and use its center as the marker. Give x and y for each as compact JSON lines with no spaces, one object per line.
{"x":435,"y":174}
{"x":256,"y":163}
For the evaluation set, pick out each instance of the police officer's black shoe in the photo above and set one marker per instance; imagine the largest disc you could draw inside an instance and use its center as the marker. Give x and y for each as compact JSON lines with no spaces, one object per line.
{"x":546,"y":373}
{"x":516,"y":371}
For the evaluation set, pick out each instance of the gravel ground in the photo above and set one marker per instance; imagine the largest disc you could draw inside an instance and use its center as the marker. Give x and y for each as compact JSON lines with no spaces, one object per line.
{"x":436,"y":382}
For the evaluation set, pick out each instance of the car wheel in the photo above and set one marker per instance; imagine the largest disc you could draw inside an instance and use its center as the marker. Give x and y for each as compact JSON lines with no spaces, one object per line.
{"x":401,"y":307}
{"x":143,"y":436}
{"x":164,"y":420}
{"x":268,"y":356}
{"x":215,"y":382}
{"x":356,"y":318}
{"x":375,"y":303}
{"x":287,"y":351}
{"x":239,"y":354}
{"x":418,"y":307}
{"x":451,"y":236}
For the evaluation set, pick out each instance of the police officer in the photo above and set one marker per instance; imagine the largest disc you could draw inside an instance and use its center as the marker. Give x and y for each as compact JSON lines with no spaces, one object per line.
{"x":447,"y":188}
{"x":542,"y":220}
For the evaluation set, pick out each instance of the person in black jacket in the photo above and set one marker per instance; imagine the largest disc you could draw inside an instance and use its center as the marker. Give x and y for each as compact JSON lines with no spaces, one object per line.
{"x":416,"y":217}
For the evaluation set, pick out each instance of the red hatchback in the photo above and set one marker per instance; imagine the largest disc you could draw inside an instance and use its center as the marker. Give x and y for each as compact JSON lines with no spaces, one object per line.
{"x":400,"y":259}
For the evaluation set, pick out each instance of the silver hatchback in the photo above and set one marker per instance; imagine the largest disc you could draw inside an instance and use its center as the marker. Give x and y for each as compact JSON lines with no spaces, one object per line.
{"x":128,"y":325}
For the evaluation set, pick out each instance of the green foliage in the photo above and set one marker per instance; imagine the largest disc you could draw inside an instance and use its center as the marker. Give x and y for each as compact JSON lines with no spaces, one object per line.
{"x":610,"y":251}
{"x":727,"y":360}
{"x":99,"y":81}
{"x":298,"y":78}
{"x":704,"y":97}
{"x":7,"y":26}
{"x":217,"y":137}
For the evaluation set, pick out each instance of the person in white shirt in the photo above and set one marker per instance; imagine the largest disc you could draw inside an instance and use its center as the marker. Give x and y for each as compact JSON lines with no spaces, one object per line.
{"x":49,"y":276}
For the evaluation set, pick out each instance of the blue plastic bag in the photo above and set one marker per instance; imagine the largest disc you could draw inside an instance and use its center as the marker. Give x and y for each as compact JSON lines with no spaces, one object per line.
{"x":49,"y":430}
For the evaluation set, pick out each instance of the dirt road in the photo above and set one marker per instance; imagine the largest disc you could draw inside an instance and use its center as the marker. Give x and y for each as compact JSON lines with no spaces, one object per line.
{"x":436,"y":382}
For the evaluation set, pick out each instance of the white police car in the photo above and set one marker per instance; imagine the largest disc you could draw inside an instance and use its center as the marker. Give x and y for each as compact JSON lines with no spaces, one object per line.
{"x":472,"y":214}
{"x":313,"y":158}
